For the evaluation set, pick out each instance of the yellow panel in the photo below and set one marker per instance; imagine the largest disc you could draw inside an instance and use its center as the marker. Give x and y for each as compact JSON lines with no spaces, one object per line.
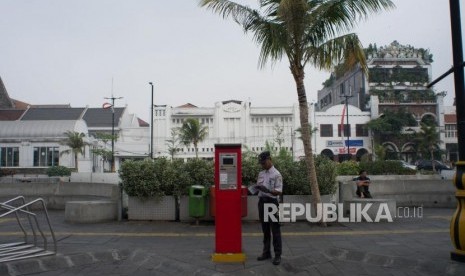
{"x":228,"y":258}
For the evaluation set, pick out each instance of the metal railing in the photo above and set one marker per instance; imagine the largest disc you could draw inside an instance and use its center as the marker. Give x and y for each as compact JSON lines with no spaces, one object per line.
{"x":36,"y":242}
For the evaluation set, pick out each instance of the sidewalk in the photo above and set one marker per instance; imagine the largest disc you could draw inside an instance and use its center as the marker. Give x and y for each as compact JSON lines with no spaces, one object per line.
{"x":409,"y":246}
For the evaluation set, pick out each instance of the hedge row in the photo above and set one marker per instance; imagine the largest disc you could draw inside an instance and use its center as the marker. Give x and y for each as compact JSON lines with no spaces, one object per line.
{"x":373,"y":168}
{"x":164,"y":177}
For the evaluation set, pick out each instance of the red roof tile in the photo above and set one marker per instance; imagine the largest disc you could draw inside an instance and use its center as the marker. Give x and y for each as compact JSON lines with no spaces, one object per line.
{"x":188,"y":105}
{"x":142,"y":123}
{"x":20,"y":104}
{"x":10,"y":114}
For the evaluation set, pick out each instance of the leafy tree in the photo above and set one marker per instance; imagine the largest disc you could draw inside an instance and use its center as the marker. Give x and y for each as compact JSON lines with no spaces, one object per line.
{"x":392,"y":123}
{"x":173,"y":142}
{"x":313,"y":130}
{"x":270,"y":146}
{"x":191,"y":132}
{"x":428,"y":140}
{"x":105,"y":151}
{"x":306,"y":32}
{"x":279,"y":131}
{"x":75,"y":141}
{"x":105,"y":137}
{"x":380,"y":152}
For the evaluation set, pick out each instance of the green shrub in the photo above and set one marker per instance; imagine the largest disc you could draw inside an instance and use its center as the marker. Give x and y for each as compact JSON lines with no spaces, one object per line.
{"x":164,"y":177}
{"x":250,"y":168}
{"x":58,"y":171}
{"x":385,"y":167}
{"x":348,"y":168}
{"x":139,"y":179}
{"x":326,"y":175}
{"x":198,"y":172}
{"x":294,"y":173}
{"x":295,"y":179}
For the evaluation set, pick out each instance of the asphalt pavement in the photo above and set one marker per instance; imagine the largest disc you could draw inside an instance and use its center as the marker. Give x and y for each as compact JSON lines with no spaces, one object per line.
{"x":407,"y":246}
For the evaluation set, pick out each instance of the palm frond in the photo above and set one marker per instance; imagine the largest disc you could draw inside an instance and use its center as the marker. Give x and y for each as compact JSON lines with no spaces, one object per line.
{"x":333,"y":17}
{"x":68,"y":151}
{"x":239,"y":13}
{"x":346,"y":49}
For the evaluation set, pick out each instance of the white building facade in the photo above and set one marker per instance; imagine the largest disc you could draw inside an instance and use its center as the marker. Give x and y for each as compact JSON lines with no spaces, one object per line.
{"x":240,"y":122}
{"x":333,"y":134}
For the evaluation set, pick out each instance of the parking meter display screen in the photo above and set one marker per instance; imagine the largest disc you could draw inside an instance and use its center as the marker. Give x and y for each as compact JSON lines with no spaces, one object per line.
{"x":228,"y":171}
{"x":228,"y":161}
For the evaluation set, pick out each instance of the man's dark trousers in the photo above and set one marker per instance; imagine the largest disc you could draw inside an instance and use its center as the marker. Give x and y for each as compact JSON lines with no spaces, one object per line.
{"x":270,"y":227}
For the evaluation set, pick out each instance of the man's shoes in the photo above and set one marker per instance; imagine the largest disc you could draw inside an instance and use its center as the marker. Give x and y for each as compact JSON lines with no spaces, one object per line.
{"x":277,"y":260}
{"x":263,"y":257}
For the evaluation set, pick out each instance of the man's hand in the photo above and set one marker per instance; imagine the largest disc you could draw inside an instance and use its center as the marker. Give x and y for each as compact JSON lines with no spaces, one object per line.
{"x":262,"y":188}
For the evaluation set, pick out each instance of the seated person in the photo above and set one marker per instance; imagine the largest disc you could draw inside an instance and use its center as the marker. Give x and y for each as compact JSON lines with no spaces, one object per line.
{"x":363,"y":182}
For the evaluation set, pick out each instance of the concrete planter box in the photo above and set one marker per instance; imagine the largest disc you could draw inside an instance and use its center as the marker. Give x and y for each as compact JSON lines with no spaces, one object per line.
{"x":306,"y":199}
{"x":90,"y":211}
{"x":164,"y":209}
{"x":406,"y":190}
{"x":152,"y":208}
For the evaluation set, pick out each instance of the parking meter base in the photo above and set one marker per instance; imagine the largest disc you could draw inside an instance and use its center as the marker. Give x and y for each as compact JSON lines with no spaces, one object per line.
{"x":228,"y":257}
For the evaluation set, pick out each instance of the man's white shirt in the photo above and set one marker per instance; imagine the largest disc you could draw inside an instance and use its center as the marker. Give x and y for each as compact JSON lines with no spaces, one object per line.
{"x":270,"y":179}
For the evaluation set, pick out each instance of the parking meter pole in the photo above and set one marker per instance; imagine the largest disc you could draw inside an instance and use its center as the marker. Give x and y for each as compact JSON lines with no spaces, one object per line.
{"x":228,"y":213}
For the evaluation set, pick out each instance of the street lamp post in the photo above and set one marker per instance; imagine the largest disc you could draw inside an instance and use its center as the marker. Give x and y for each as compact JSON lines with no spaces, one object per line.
{"x":112,"y":98}
{"x":151,"y":125}
{"x":457,"y":225}
{"x":347,"y":96}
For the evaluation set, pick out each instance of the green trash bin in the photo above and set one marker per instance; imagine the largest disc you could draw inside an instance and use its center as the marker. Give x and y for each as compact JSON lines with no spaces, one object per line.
{"x":197,"y":201}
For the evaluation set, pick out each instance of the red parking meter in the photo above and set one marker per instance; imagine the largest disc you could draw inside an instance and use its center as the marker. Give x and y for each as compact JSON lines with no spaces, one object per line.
{"x":228,"y":183}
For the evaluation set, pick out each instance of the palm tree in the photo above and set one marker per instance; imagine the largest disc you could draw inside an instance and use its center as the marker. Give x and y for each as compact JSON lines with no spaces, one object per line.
{"x":306,"y":32}
{"x":428,"y":140}
{"x":75,"y":141}
{"x":191,"y":132}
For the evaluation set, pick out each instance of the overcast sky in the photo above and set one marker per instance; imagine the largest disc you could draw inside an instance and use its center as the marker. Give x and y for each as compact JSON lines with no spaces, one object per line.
{"x":61,"y":51}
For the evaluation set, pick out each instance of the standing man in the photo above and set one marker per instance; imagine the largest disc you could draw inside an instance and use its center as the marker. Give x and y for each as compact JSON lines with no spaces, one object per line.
{"x":270,"y":186}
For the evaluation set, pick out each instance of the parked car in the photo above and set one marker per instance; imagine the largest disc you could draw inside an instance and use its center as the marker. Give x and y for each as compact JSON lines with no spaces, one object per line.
{"x":428,"y":165}
{"x":405,"y":164}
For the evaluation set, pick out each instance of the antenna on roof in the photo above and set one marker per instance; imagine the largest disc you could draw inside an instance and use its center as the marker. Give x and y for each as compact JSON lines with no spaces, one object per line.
{"x":112,"y":87}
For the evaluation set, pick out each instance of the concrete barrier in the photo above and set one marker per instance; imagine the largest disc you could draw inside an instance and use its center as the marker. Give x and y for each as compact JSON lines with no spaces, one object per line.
{"x":406,"y":190}
{"x":372,"y":210}
{"x":56,"y":193}
{"x":90,"y":211}
{"x":112,"y":178}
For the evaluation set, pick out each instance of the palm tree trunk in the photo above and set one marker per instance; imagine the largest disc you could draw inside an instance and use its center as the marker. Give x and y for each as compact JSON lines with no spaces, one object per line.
{"x":298,"y":73}
{"x":432,"y":161}
{"x":76,"y":161}
{"x":196,"y":151}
